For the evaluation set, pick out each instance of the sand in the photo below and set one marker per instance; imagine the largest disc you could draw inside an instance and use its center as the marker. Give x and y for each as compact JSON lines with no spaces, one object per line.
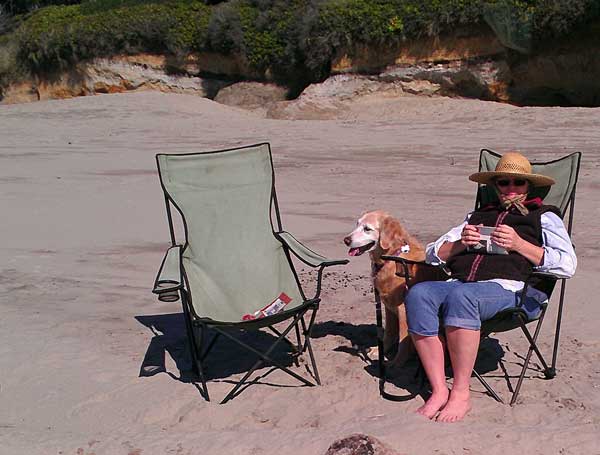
{"x":83,"y":232}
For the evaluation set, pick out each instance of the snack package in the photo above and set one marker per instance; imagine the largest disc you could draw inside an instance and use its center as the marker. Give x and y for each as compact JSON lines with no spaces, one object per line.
{"x":272,"y":308}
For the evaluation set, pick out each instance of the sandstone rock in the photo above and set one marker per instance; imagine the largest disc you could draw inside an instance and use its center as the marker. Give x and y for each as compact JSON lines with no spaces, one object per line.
{"x":348,"y":86}
{"x":22,"y":92}
{"x":327,"y":99}
{"x":359,"y":444}
{"x":472,"y":64}
{"x":483,"y":80}
{"x":114,"y":75}
{"x":196,"y":64}
{"x":459,"y":46}
{"x":110,"y":76}
{"x":251,"y":94}
{"x":567,"y":76}
{"x":421,"y":87}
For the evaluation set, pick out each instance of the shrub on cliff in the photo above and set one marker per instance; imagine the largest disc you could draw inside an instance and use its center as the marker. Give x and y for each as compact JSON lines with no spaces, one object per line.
{"x":292,"y":40}
{"x":10,"y":69}
{"x":331,"y":25}
{"x":526,"y":25}
{"x":24,"y":6}
{"x":57,"y":36}
{"x":264,"y":32}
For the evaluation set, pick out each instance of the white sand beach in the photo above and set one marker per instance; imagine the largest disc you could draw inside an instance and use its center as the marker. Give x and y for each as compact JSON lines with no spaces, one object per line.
{"x":83,"y":230}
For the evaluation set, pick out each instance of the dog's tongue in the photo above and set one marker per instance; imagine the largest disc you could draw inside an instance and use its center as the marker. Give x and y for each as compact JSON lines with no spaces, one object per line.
{"x":353,"y":251}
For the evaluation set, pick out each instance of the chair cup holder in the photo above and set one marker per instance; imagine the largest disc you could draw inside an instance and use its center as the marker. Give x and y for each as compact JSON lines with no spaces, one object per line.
{"x":169,"y":296}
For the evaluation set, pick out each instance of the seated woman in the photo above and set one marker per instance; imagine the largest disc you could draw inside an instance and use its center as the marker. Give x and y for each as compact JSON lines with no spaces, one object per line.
{"x":534,"y":236}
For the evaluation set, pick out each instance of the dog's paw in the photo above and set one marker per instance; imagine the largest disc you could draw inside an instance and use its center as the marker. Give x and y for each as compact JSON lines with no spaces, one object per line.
{"x":372,"y":354}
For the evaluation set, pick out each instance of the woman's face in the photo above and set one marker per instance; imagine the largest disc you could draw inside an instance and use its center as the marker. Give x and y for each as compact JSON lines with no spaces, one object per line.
{"x":509,"y":187}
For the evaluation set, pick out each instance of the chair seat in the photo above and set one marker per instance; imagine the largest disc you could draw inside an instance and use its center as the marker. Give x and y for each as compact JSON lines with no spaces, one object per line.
{"x":508,"y":319}
{"x":263,"y":322}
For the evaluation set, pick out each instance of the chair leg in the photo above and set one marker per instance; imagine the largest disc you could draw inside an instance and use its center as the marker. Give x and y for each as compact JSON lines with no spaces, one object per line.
{"x":200,"y":368}
{"x":532,"y":341}
{"x":551,"y":372}
{"x":488,"y":387}
{"x":532,"y":347}
{"x":380,"y":333}
{"x":193,"y":346}
{"x":299,"y":348}
{"x":307,"y":334}
{"x":262,"y":358}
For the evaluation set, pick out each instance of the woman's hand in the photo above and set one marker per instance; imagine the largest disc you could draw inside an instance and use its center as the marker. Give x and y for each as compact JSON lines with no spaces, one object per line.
{"x":469,"y":235}
{"x":506,"y":237}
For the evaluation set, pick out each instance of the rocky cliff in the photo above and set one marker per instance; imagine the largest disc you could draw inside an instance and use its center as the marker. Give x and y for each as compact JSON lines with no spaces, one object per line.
{"x":461,"y":65}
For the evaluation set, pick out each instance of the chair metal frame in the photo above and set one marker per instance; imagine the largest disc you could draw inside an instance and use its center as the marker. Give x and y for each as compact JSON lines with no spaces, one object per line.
{"x":508,"y":319}
{"x":197,"y":327}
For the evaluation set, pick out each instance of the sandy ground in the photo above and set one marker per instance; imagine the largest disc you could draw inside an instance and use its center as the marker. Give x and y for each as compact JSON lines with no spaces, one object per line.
{"x":83,"y":231}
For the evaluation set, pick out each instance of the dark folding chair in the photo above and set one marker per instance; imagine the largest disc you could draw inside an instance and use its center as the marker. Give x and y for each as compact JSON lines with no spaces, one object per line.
{"x":565,"y":172}
{"x":235,"y":259}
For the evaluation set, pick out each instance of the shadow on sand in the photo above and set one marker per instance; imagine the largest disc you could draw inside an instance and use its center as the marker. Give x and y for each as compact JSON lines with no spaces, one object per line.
{"x":227,"y":359}
{"x":408,"y":380}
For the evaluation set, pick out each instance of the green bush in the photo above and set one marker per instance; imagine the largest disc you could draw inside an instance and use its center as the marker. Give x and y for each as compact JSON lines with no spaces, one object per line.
{"x":293,"y":39}
{"x":25,"y":6}
{"x":263,"y":31}
{"x":11,"y":69}
{"x":338,"y":24}
{"x":556,"y":18}
{"x":58,"y":36}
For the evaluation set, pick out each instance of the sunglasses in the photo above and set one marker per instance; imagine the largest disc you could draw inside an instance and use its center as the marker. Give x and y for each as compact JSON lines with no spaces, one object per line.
{"x":515,"y":182}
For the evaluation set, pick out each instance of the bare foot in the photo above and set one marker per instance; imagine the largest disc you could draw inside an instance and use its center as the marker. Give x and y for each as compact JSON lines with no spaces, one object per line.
{"x":456,"y":408}
{"x":436,"y":401}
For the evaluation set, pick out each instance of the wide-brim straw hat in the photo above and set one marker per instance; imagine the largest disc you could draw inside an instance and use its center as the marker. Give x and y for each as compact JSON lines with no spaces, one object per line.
{"x":512,"y":165}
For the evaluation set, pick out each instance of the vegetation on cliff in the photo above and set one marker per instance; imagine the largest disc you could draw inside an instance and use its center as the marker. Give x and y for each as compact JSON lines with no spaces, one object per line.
{"x":293,"y":40}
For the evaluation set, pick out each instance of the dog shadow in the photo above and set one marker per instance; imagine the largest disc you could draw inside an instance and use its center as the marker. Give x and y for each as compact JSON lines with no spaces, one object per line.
{"x":363,"y":338}
{"x":226,"y":358}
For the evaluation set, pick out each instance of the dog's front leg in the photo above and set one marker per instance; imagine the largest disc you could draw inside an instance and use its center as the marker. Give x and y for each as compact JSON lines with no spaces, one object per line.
{"x":405,"y":345}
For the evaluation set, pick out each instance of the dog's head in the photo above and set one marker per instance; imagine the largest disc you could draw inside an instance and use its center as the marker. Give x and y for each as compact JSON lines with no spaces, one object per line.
{"x":374,"y":230}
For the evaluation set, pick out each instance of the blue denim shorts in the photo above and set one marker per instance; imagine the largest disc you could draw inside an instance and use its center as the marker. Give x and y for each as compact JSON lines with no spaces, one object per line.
{"x":463,"y":305}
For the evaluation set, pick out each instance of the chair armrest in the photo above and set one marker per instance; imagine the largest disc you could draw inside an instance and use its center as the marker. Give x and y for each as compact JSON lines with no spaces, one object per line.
{"x":542,"y":281}
{"x":435,"y":272}
{"x":305,"y":254}
{"x":386,"y":257}
{"x":544,"y":275}
{"x":168,"y":281}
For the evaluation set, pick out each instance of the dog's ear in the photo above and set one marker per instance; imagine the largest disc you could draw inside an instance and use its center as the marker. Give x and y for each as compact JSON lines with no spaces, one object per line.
{"x":391,"y":233}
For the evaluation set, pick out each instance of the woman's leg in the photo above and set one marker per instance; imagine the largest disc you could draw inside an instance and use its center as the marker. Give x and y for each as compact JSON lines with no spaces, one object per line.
{"x":422,"y":310}
{"x":431,"y":354}
{"x":465,"y":308}
{"x":463,"y":345}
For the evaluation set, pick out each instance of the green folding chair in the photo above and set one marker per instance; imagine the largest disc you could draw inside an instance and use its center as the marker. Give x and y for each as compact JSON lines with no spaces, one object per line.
{"x":565,"y":172}
{"x":235,"y":260}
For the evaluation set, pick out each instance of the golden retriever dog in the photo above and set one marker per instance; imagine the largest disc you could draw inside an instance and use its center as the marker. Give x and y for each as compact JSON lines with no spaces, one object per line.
{"x":378,"y":233}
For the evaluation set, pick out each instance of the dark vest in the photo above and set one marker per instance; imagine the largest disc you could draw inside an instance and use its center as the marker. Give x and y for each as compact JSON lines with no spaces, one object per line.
{"x":472,"y":266}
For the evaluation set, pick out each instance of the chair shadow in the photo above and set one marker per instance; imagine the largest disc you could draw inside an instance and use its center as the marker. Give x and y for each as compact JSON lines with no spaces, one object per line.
{"x":226,"y":358}
{"x":489,"y":357}
{"x":410,"y":376}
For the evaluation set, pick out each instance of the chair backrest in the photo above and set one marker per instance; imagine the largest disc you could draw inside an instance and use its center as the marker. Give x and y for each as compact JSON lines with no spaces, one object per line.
{"x":564,"y":171}
{"x":232,"y":262}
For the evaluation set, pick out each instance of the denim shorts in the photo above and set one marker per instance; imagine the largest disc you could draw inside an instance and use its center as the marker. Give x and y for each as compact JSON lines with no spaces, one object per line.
{"x":464,"y":305}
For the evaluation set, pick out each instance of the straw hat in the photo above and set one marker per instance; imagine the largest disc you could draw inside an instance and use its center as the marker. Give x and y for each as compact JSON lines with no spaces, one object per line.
{"x":515,"y":165}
